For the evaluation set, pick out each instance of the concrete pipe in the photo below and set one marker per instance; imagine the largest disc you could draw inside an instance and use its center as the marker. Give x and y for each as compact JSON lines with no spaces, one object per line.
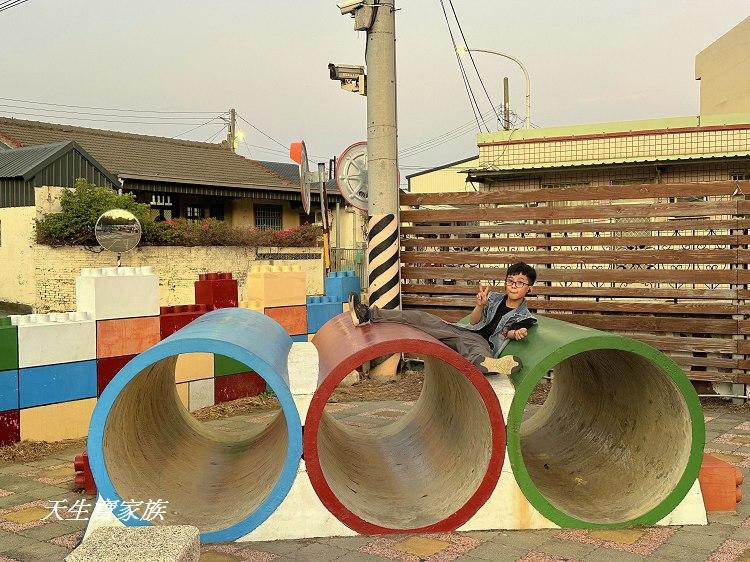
{"x":620,"y":438}
{"x":144,"y":445}
{"x":431,"y":469}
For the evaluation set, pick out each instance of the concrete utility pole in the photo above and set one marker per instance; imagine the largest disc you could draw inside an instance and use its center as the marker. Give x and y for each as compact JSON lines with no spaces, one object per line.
{"x":232,"y":131}
{"x":382,"y":159}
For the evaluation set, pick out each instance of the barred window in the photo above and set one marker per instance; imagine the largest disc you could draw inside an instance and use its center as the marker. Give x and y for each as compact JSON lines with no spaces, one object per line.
{"x":268,"y":216}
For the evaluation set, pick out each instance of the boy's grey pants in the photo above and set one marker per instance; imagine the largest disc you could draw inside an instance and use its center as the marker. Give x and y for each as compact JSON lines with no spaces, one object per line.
{"x":469,"y":344}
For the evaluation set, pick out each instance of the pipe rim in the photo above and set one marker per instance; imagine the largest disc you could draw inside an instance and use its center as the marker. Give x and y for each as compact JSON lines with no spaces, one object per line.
{"x":524,"y":389}
{"x":169,"y":348}
{"x":339,"y":372}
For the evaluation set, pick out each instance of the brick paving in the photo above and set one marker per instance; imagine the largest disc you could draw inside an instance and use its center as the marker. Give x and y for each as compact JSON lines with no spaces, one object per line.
{"x":26,"y":491}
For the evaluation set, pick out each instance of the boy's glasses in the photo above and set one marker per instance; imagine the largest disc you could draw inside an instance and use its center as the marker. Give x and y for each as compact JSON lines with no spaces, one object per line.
{"x":516,"y":284}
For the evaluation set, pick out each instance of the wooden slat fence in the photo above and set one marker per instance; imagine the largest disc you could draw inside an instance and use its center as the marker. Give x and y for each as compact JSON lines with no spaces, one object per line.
{"x":663,"y":263}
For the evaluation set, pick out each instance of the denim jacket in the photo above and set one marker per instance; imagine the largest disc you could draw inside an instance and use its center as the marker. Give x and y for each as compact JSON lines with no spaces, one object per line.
{"x":498,"y":340}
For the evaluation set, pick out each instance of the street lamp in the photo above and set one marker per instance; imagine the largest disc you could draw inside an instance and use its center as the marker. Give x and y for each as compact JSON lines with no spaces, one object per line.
{"x":525,"y":75}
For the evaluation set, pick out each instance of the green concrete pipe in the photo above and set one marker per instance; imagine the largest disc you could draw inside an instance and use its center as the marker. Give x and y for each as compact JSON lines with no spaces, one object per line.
{"x":619,"y":440}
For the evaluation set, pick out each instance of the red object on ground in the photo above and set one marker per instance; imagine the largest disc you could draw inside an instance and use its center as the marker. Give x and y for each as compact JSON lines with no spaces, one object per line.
{"x":342,"y":348}
{"x":239,"y":385}
{"x":84,"y":479}
{"x":292,"y":318}
{"x":172,"y":318}
{"x":216,"y":290}
{"x":10,"y":427}
{"x":107,"y":368}
{"x":720,"y":484}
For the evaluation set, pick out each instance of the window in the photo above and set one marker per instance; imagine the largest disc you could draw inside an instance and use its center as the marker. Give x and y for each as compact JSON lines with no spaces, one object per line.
{"x":193,"y":213}
{"x":738,"y":176}
{"x":268,"y":216}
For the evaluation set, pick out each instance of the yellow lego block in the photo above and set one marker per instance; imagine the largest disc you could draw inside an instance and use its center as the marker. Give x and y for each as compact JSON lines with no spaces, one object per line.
{"x":193,"y":367}
{"x":183,"y":393}
{"x":276,"y":285}
{"x":345,"y":307}
{"x":55,"y":422}
{"x":252,"y":304}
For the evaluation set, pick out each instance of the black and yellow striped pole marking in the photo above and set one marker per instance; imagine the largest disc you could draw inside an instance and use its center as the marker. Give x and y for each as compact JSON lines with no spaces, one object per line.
{"x":384,"y":261}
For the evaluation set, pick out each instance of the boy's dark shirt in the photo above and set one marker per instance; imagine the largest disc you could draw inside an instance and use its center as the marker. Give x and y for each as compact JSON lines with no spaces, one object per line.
{"x":489,"y":329}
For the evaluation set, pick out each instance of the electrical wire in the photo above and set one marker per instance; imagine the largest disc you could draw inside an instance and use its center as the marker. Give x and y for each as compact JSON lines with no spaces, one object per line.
{"x":4,"y":112}
{"x":467,"y":85}
{"x":212,"y":137}
{"x":67,"y":111}
{"x":473,"y":62}
{"x":108,"y":108}
{"x":11,"y":4}
{"x":199,"y":126}
{"x":262,"y":132}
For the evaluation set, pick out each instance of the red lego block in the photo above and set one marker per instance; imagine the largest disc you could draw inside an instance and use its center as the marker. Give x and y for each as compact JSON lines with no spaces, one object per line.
{"x":10,"y":427}
{"x":84,"y":479}
{"x":107,"y":368}
{"x":240,"y":385}
{"x":292,"y":318}
{"x":172,"y":318}
{"x":216,"y":290}
{"x":720,"y":484}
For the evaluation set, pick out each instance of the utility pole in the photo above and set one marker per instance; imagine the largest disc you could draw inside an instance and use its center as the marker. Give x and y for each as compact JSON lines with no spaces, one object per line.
{"x":506,"y":105}
{"x":232,"y":131}
{"x":382,"y":160}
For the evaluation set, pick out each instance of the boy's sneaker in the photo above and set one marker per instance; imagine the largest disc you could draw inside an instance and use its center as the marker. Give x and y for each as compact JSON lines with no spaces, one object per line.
{"x":506,"y":365}
{"x":360,"y":312}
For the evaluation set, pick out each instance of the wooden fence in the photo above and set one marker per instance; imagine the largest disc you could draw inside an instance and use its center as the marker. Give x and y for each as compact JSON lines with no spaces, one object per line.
{"x":663,"y":263}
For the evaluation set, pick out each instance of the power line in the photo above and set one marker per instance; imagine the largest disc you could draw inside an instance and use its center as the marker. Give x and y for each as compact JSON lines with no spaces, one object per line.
{"x":67,"y":111}
{"x":108,"y":108}
{"x":199,"y":126}
{"x":93,"y":120}
{"x":262,"y":132}
{"x":210,"y":139}
{"x":11,"y":4}
{"x":467,"y":85}
{"x":458,"y":22}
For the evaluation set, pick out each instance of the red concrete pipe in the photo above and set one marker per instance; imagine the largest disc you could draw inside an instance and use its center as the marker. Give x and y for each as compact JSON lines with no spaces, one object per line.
{"x":430,"y":470}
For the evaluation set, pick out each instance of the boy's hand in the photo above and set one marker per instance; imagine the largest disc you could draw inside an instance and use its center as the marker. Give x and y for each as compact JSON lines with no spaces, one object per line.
{"x":482,"y":295}
{"x":520,"y":333}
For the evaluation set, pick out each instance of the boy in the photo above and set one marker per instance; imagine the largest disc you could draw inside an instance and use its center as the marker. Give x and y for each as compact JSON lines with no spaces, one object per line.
{"x":496,"y":319}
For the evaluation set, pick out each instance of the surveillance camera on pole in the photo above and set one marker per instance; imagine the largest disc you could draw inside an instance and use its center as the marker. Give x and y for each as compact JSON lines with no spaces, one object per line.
{"x":362,"y":11}
{"x":352,"y":77}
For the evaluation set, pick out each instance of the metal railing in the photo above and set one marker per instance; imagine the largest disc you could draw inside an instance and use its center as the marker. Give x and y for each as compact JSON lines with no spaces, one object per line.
{"x":351,"y":259}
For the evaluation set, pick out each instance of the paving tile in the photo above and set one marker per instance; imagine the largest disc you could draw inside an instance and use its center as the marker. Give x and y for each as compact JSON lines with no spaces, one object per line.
{"x":730,"y":551}
{"x":644,"y":544}
{"x":10,"y":540}
{"x":69,"y":541}
{"x":319,"y":552}
{"x":347,"y":543}
{"x":567,"y":549}
{"x":422,"y":547}
{"x":535,"y":556}
{"x":234,"y":553}
{"x":524,"y":539}
{"x":14,"y":499}
{"x":46,"y":491}
{"x":494,"y":551}
{"x":46,"y":532}
{"x":385,"y":547}
{"x":274,"y":547}
{"x":40,"y":552}
{"x":680,"y":552}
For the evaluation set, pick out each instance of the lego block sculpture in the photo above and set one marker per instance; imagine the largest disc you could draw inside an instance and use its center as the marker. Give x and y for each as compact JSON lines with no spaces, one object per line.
{"x":225,"y":484}
{"x":216,"y":290}
{"x":118,"y":292}
{"x":273,"y":286}
{"x":339,"y":284}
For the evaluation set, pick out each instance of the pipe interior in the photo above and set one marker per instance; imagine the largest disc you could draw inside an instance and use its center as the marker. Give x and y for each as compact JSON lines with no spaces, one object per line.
{"x":419,"y":469}
{"x":612,"y":439}
{"x":155,"y":449}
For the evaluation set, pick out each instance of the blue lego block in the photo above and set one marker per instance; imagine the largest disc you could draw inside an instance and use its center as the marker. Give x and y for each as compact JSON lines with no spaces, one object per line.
{"x":320,"y":310}
{"x":302,"y":337}
{"x":50,"y":384}
{"x":9,"y":390}
{"x":339,"y":284}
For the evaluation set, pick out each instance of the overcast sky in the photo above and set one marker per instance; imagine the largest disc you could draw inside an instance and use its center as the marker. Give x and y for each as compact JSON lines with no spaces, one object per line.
{"x":590,"y":61}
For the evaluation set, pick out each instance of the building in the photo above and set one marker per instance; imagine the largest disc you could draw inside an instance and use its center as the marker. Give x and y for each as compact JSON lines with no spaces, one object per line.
{"x":185,"y":179}
{"x":447,"y":177}
{"x":724,"y":71}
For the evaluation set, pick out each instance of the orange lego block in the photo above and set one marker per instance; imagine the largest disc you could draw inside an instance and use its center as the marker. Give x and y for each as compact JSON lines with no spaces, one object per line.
{"x":126,"y":336}
{"x":720,"y":484}
{"x":194,"y":366}
{"x":55,"y":422}
{"x":292,"y":318}
{"x":183,"y":392}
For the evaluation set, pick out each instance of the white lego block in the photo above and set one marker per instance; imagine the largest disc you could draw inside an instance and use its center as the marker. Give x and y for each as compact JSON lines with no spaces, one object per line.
{"x":56,"y":337}
{"x":201,"y":394}
{"x":303,"y":368}
{"x":118,"y":292}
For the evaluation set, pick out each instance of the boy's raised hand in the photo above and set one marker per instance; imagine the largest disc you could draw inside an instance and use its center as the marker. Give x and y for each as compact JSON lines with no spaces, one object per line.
{"x":483,"y":295}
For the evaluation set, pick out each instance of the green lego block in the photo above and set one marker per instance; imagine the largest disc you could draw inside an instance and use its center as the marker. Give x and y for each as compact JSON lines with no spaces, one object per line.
{"x":8,"y":345}
{"x":224,"y":365}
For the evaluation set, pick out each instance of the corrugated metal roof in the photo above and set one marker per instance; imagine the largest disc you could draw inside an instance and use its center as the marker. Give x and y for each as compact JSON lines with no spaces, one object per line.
{"x":19,"y":162}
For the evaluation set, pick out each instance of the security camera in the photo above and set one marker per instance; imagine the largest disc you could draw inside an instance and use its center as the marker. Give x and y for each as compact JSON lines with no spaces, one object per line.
{"x":352,"y":77}
{"x":349,"y":6}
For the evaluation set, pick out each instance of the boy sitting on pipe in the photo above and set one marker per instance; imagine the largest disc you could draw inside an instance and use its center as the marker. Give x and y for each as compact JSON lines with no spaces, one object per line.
{"x":496,"y":319}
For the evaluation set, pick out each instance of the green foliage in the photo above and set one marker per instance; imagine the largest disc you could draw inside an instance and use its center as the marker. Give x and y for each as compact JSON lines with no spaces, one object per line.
{"x":82,"y":206}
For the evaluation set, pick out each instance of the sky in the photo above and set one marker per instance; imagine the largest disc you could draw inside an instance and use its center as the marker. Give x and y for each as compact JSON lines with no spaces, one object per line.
{"x":589,"y":61}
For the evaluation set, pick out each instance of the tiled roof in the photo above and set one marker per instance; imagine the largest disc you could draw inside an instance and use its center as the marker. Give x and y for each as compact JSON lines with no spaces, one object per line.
{"x":158,"y":158}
